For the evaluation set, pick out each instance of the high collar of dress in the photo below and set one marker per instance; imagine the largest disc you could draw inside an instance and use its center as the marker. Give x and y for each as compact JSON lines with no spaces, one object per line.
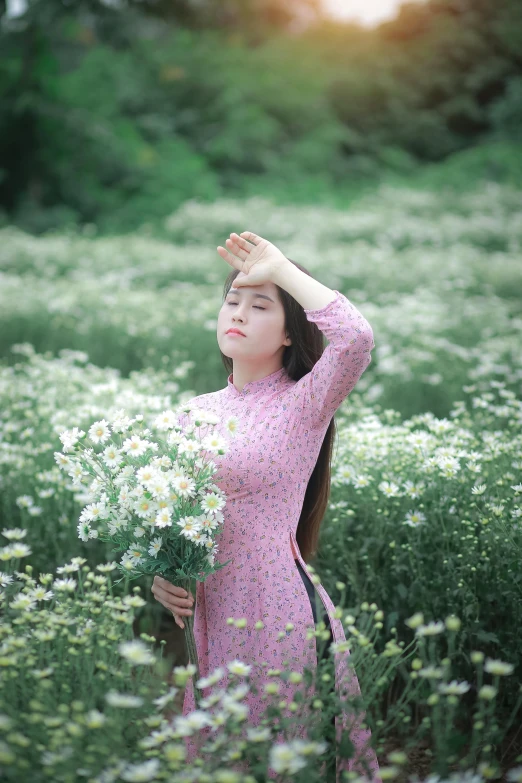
{"x":268,"y":383}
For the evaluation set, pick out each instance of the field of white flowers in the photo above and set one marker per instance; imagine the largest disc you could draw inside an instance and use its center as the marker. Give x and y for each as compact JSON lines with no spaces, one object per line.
{"x":422,"y":542}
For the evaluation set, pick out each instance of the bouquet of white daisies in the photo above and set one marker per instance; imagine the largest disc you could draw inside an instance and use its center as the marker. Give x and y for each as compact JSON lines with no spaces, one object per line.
{"x":151,"y":494}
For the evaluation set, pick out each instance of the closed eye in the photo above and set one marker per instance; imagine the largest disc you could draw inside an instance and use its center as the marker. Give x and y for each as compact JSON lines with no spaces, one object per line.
{"x":255,"y":306}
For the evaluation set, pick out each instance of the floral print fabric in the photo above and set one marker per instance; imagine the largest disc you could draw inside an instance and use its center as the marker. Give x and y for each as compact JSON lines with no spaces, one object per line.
{"x":282,"y":424}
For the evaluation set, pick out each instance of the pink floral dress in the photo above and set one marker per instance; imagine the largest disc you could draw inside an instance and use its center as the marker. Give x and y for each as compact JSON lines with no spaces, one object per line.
{"x":282,"y":424}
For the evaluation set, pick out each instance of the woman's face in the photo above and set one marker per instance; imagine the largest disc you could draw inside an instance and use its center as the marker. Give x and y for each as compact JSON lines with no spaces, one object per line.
{"x":257,"y":312}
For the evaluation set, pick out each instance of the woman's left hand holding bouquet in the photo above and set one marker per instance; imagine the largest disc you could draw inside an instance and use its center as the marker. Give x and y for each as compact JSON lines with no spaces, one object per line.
{"x":175,"y":599}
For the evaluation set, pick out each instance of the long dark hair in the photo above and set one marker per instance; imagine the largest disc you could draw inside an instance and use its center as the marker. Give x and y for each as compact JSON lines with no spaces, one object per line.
{"x":298,"y":359}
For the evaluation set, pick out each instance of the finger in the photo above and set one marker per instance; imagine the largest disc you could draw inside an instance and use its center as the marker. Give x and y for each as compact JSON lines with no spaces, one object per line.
{"x":237,"y":263}
{"x":178,"y":604}
{"x":174,"y":607}
{"x":168,"y":587}
{"x":179,"y":620}
{"x":235,"y":248}
{"x":251,"y":237}
{"x":242,"y":243}
{"x":168,"y":599}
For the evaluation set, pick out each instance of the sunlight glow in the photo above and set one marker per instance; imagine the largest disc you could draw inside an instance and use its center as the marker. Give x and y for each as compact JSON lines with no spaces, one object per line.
{"x":366,"y":12}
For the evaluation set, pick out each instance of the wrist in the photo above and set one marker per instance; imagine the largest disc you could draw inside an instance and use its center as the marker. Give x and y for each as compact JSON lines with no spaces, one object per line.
{"x":283,"y":274}
{"x":305,"y":289}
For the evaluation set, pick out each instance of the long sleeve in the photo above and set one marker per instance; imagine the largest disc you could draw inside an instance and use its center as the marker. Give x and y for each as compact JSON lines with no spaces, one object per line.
{"x":345,"y":358}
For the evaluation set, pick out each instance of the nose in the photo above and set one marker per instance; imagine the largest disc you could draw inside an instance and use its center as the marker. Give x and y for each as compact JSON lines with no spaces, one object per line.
{"x":237,"y":314}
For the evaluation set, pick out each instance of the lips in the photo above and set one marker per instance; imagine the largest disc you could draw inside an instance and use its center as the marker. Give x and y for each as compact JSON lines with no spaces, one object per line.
{"x":235,"y":331}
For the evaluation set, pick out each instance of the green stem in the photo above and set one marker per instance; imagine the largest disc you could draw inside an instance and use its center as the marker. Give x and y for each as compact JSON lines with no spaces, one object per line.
{"x":190,"y":641}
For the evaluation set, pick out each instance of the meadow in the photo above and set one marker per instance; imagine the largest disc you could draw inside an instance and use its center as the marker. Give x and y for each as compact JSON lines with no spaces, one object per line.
{"x":422,"y":542}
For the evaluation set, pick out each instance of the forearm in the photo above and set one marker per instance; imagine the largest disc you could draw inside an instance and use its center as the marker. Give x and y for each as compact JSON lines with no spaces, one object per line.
{"x":310,"y":293}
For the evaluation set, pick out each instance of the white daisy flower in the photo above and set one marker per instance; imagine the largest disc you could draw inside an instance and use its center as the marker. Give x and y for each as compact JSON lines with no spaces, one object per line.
{"x":135,"y":601}
{"x":127,"y":562}
{"x":414,"y":490}
{"x":232,"y":707}
{"x":185,"y":486}
{"x":201,"y":416}
{"x":155,"y":546}
{"x":159,"y":487}
{"x":23,"y":602}
{"x":449,"y":466}
{"x":431,"y":672}
{"x":124,"y":495}
{"x":166,"y":420}
{"x":120,"y":421}
{"x":189,"y":526}
{"x":431,"y":629}
{"x":136,"y":652}
{"x":284,"y":759}
{"x":214,"y":443}
{"x":111,"y":456}
{"x":45,"y":493}
{"x":239,"y":668}
{"x":454,"y":688}
{"x":100,"y":431}
{"x":199,"y":538}
{"x":70,"y":438}
{"x":414,"y":518}
{"x":145,"y":508}
{"x":39,"y":593}
{"x":135,"y":554}
{"x":85,"y":531}
{"x":389,"y":488}
{"x":194,"y":721}
{"x":14,"y":533}
{"x":135,"y":446}
{"x":68,"y":568}
{"x":67,"y":585}
{"x":163,"y":518}
{"x":257,"y":734}
{"x":189,"y":447}
{"x":92,"y":512}
{"x":146,"y":473}
{"x":18,"y":549}
{"x":141,"y":773}
{"x":208,"y":522}
{"x":212,"y":679}
{"x":212,"y":502}
{"x":62,"y":460}
{"x":162,"y":701}
{"x":494,"y":666}
{"x":239,"y":692}
{"x":24,"y":501}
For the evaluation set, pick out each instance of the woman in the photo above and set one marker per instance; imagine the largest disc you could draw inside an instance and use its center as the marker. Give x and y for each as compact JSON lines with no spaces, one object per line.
{"x":284,"y":390}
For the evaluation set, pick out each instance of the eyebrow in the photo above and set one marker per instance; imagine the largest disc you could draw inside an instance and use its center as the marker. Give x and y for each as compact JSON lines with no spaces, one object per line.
{"x":256,"y":296}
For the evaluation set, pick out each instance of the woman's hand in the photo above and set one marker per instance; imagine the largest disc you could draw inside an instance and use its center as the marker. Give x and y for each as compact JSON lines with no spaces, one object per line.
{"x":172,"y":598}
{"x":258,"y":260}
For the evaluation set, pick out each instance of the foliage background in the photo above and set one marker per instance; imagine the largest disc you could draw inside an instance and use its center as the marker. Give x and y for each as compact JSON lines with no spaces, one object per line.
{"x":148,"y":104}
{"x":134,"y":136}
